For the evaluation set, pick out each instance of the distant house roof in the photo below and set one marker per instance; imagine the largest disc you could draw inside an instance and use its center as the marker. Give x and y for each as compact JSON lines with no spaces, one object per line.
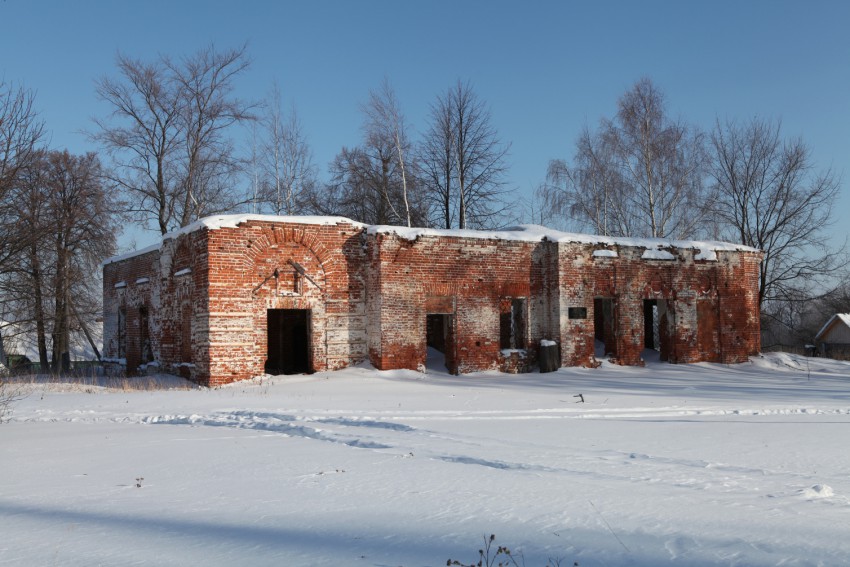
{"x":837,"y":319}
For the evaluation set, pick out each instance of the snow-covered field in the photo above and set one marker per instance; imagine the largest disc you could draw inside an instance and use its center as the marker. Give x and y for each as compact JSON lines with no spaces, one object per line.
{"x":664,"y":465}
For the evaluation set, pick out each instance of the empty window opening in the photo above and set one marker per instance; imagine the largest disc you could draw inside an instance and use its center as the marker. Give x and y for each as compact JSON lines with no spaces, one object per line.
{"x":657,"y":321}
{"x":604,"y":327}
{"x":122,"y":333}
{"x":577,"y":312}
{"x":144,"y":336}
{"x":512,"y":323}
{"x":439,"y":341}
{"x":651,"y":338}
{"x":288,"y":341}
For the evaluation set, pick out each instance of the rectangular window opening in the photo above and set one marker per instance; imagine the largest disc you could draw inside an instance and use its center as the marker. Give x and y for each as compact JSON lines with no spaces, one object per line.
{"x":122,"y":333}
{"x":513,"y":323}
{"x":604,"y":326}
{"x":577,"y":312}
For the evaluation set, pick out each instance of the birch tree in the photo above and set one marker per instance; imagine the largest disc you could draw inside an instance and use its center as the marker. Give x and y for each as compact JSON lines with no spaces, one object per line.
{"x":639,"y":174}
{"x":385,"y":121}
{"x":285,"y":166}
{"x":374,"y":182}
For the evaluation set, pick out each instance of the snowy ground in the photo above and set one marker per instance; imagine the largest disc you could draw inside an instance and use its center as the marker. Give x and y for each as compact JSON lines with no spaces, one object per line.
{"x":664,"y":465}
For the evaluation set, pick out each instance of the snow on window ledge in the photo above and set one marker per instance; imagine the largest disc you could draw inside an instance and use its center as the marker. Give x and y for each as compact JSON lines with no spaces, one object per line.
{"x":120,"y":284}
{"x":142,"y":281}
{"x":653,"y":254}
{"x":520,"y":352}
{"x":183,"y":272}
{"x":604,"y":253}
{"x":706,"y":254}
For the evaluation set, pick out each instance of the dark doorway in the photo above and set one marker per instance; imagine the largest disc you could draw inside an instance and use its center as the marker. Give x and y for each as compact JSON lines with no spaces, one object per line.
{"x":604,"y":327}
{"x":289,"y":341}
{"x":657,"y":323}
{"x":651,"y":337}
{"x":439,"y":338}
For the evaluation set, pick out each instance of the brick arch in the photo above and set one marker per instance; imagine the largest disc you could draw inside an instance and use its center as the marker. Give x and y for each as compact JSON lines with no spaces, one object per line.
{"x":439,"y":288}
{"x":269,"y":236}
{"x":298,"y":244}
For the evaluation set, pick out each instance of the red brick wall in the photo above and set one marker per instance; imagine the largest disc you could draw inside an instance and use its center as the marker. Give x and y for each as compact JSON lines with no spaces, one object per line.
{"x":176,"y":305}
{"x":243,"y":289}
{"x":209,"y":291}
{"x":407,"y":276}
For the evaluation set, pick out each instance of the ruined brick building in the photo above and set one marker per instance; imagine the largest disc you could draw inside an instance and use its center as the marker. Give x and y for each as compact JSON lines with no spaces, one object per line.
{"x":232,"y":297}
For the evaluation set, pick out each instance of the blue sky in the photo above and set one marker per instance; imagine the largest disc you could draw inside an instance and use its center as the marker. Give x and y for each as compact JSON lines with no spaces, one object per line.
{"x":545,"y":68}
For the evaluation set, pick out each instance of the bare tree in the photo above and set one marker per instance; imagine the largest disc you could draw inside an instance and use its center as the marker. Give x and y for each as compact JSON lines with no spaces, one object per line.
{"x":374,"y":183}
{"x":168,"y":134}
{"x":463,"y":161}
{"x":82,"y":230}
{"x":438,"y":165}
{"x":209,"y":110}
{"x":285,"y":166}
{"x":21,"y":132}
{"x":64,"y":205}
{"x":640,"y":174}
{"x":30,"y":282}
{"x":770,"y":197}
{"x":384,"y":120}
{"x":142,"y":135}
{"x":590,"y":193}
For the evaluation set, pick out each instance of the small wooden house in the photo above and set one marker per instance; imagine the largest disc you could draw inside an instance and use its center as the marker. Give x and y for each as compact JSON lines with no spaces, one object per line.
{"x":833,"y":340}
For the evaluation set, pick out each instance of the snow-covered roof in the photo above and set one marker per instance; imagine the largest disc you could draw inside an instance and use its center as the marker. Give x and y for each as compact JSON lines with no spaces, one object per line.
{"x":526,"y":233}
{"x":232,"y":221}
{"x":842,"y":317}
{"x":537,"y":233}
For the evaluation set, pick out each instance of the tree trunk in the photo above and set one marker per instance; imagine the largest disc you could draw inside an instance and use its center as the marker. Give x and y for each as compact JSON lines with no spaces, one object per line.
{"x":3,"y":360}
{"x":61,"y":360}
{"x":41,"y":336}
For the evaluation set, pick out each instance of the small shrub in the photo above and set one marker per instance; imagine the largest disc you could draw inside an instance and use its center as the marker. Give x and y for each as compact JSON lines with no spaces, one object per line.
{"x":9,"y":394}
{"x":502,"y":554}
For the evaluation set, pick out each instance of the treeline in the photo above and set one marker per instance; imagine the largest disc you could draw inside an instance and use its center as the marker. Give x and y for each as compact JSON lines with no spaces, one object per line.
{"x":174,"y":150}
{"x":643,"y":173}
{"x":170,"y":138}
{"x":57,"y":222}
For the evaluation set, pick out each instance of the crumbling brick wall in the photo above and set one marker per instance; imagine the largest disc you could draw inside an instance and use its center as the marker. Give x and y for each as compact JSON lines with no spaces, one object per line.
{"x":243,"y":288}
{"x":155,"y":309}
{"x":205,"y":304}
{"x":465,"y":278}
